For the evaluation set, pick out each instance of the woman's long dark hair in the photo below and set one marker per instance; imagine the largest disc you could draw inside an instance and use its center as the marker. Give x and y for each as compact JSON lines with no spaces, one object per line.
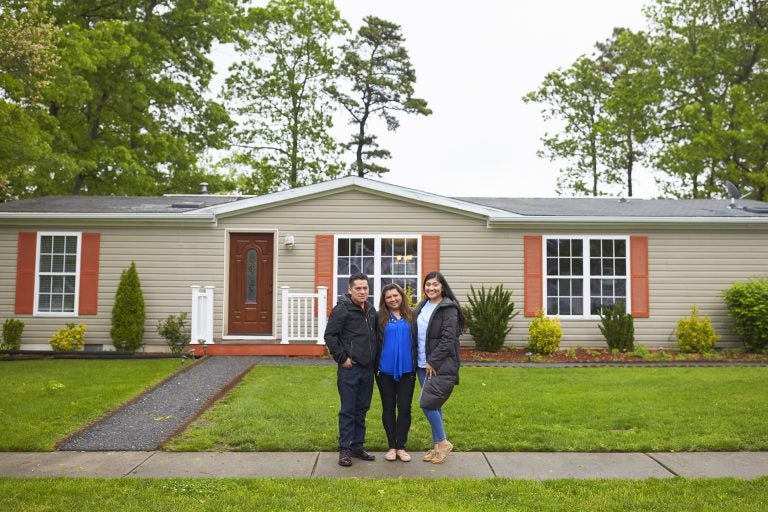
{"x":447,"y":292}
{"x":405,"y":308}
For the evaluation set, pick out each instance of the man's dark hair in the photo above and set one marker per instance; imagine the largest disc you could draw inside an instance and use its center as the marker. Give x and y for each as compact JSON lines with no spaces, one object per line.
{"x":357,"y":277}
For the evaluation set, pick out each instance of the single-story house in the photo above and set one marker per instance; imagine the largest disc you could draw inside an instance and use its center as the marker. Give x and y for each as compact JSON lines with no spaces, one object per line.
{"x":61,"y":257}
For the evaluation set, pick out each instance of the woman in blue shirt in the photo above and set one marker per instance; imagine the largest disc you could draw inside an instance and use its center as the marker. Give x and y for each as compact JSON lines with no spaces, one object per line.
{"x":396,"y":377}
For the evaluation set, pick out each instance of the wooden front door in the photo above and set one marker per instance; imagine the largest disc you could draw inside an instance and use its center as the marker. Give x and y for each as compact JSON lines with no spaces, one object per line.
{"x":251,"y":283}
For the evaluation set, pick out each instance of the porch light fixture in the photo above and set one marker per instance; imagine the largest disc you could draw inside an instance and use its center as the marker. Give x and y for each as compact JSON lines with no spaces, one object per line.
{"x":289,"y":241}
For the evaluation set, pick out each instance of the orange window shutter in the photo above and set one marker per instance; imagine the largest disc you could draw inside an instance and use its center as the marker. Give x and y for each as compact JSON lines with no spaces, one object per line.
{"x":89,"y":273}
{"x":638,"y":253}
{"x":430,"y":254}
{"x":25,"y":273}
{"x":532,"y":275}
{"x":324,"y":266}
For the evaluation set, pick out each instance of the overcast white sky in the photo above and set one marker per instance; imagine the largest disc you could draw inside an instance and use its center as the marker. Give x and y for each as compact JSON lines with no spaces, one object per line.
{"x":474,"y":62}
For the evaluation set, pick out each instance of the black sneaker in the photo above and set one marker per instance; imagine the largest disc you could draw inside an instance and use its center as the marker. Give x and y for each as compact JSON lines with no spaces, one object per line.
{"x":362,"y":454}
{"x":345,"y":458}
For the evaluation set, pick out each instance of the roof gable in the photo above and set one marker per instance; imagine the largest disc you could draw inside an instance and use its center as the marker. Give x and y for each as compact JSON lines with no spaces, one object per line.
{"x":360,"y":184}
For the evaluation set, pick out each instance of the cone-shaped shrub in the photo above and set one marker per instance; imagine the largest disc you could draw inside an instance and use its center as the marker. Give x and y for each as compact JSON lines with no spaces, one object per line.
{"x":128,"y":312}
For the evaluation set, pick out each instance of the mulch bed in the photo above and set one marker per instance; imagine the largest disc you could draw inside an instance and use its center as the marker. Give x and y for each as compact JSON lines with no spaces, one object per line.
{"x":584,"y":355}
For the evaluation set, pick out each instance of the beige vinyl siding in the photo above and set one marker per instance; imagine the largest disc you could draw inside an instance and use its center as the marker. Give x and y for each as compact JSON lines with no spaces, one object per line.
{"x":465,"y":241}
{"x":168,"y":261}
{"x":687,"y":264}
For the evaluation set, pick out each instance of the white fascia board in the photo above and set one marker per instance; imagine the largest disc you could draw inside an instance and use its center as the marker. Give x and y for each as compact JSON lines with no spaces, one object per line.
{"x":169,"y":219}
{"x":352,"y":182}
{"x":552,"y":219}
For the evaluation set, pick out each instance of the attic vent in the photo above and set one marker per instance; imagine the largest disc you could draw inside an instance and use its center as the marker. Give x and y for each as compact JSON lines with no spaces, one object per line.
{"x":187,"y":204}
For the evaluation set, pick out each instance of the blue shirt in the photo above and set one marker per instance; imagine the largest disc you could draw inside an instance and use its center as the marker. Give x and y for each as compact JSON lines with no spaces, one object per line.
{"x":396,"y":352}
{"x":422,"y":323}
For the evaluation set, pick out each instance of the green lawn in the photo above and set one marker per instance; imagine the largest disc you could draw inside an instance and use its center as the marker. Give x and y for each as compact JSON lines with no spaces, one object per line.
{"x":508,"y":409}
{"x":146,"y":495}
{"x":46,"y":400}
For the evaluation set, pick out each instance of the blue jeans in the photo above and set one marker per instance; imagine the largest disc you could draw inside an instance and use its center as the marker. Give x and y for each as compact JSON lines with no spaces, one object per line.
{"x":355,"y":391}
{"x":434,"y":416}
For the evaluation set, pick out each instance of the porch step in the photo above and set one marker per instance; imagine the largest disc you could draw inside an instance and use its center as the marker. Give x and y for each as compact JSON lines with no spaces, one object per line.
{"x":260,"y":349}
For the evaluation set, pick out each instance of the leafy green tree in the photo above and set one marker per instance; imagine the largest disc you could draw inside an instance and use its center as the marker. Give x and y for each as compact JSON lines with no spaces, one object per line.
{"x":381,"y":77}
{"x":713,"y":56}
{"x":279,"y":93}
{"x":126,"y":109}
{"x":630,"y":110}
{"x":128,"y":312}
{"x":27,"y":61}
{"x":576,"y":97}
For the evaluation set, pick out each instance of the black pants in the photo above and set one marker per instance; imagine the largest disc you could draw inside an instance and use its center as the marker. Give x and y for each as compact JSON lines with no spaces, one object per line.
{"x":396,"y":395}
{"x":355,"y":391}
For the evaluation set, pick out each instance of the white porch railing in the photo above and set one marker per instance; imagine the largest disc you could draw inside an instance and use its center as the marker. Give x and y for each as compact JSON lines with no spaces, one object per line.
{"x":299,"y":320}
{"x":202,"y":315}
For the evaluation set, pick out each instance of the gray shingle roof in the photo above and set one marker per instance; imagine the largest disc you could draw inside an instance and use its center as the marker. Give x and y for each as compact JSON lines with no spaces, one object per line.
{"x":526,"y":207}
{"x":613,"y":207}
{"x":114,"y":204}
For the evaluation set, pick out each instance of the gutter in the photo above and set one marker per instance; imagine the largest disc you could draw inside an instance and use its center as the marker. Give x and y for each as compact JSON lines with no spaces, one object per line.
{"x":550,"y":219}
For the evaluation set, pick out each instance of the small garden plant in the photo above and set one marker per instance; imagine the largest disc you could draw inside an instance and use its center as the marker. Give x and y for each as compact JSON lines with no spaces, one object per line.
{"x":488,"y":315}
{"x":128,"y":312}
{"x":544,"y":334}
{"x":12,"y":330}
{"x":696,"y":333}
{"x":617,"y":327}
{"x":175,"y":331}
{"x":747,"y":304}
{"x":69,"y":339}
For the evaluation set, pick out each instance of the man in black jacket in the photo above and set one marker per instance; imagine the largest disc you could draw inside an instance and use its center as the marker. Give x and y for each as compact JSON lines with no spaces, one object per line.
{"x":352,"y":339}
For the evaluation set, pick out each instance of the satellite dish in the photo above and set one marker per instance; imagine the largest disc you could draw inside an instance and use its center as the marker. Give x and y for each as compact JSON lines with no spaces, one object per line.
{"x":733,"y":190}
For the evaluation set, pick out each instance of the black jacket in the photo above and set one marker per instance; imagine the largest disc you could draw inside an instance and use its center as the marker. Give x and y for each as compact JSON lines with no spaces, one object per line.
{"x":352,"y":332}
{"x":442,"y":348}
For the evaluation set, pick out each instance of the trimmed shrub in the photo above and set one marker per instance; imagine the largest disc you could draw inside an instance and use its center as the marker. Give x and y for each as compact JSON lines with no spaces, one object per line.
{"x":128,"y":312}
{"x":618,"y":327}
{"x":175,"y":331}
{"x":544,"y":334}
{"x":488,"y":315}
{"x":695,"y":333}
{"x":12,"y":330}
{"x":69,"y":339}
{"x":747,"y":304}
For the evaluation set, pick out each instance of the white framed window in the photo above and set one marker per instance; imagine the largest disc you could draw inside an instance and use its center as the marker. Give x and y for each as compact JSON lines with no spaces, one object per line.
{"x":383,"y":258}
{"x":584,"y":273}
{"x":57,"y":274}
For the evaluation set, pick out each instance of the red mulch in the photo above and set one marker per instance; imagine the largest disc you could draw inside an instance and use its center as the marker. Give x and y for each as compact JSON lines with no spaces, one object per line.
{"x":584,"y":355}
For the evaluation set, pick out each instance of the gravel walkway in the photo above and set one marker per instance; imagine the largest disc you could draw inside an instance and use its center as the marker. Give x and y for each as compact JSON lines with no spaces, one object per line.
{"x":148,"y":421}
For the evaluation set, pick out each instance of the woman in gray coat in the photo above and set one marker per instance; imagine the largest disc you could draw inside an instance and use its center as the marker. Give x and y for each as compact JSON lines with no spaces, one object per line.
{"x":439,"y":322}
